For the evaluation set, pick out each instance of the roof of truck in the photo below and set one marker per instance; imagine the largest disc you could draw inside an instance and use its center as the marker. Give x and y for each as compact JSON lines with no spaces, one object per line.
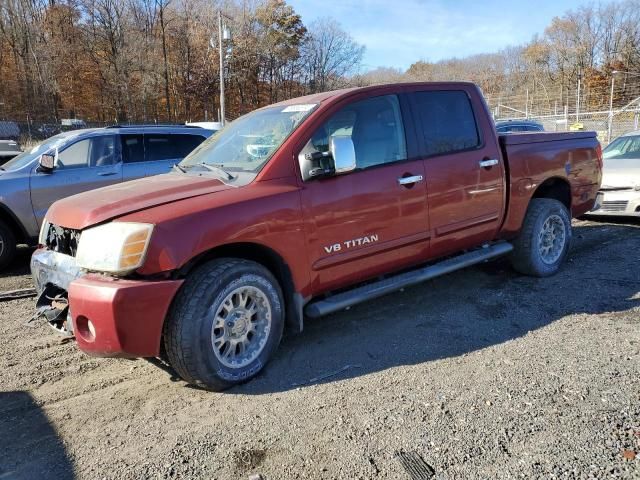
{"x":324,"y":96}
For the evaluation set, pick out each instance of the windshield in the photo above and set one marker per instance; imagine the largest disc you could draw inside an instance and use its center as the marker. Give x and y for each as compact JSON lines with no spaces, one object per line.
{"x":623,"y":147}
{"x":246,"y":144}
{"x":28,"y":155}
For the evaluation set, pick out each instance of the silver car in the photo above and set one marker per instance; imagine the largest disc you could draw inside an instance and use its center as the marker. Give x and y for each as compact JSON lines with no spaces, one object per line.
{"x":620,"y":190}
{"x":82,"y":160}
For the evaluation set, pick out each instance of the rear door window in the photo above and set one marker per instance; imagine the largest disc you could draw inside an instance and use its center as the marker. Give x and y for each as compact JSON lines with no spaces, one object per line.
{"x":158,"y":147}
{"x":132,"y":148}
{"x":448,"y":122}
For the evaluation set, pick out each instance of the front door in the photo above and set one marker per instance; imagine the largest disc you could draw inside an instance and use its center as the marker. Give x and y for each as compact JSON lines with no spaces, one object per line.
{"x":373,"y":219}
{"x":84,"y":165}
{"x":464,"y":174}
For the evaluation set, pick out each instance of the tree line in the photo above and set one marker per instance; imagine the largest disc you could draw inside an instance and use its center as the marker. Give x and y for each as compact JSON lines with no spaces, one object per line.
{"x":585,"y":45}
{"x":157,"y":60}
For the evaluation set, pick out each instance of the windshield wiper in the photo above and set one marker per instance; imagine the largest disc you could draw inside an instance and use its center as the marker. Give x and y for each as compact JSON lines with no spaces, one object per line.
{"x":217,"y":168}
{"x":177,"y":167}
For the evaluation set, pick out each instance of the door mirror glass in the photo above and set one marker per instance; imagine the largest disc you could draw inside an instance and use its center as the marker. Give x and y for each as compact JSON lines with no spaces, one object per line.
{"x":343,"y":153}
{"x":47,"y":162}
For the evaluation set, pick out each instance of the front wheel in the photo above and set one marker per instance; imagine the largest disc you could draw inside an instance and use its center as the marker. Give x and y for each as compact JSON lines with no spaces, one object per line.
{"x":225,"y":323}
{"x":543,"y":243}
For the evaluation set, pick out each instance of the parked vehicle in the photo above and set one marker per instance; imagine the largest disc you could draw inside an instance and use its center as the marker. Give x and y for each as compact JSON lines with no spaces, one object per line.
{"x":8,"y":150}
{"x":9,"y":136}
{"x":513,"y":126}
{"x":620,"y":190}
{"x":301,"y":208}
{"x":9,"y":130}
{"x":81,"y":160}
{"x":72,"y":123}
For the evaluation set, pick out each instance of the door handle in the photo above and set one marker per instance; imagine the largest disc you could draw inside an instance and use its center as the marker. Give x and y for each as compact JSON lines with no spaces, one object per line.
{"x":106,"y":174}
{"x":488,"y":163}
{"x":410,"y":180}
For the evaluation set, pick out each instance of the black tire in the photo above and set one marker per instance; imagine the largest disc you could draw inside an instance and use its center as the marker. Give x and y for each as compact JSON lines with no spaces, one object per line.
{"x":7,"y":245}
{"x":190,"y":326}
{"x":527,"y":256}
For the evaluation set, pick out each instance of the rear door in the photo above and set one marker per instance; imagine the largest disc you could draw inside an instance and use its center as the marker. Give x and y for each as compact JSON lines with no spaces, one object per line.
{"x":463,"y":169}
{"x":133,"y":157}
{"x":374,"y":219}
{"x":83,"y":165}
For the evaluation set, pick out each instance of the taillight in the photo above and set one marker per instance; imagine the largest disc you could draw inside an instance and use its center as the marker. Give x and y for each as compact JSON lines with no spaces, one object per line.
{"x":599,"y":155}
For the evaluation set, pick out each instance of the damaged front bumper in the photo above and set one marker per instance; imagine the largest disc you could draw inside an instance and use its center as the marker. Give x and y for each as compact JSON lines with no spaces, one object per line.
{"x":109,"y":316}
{"x":52,"y":274}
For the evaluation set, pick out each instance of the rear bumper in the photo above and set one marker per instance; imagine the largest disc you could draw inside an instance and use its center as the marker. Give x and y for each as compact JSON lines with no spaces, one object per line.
{"x":111,"y":317}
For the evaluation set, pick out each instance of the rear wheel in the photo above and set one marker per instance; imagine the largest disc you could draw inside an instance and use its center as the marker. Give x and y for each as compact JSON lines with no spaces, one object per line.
{"x":225,"y":324}
{"x":543,"y":243}
{"x":7,"y":245}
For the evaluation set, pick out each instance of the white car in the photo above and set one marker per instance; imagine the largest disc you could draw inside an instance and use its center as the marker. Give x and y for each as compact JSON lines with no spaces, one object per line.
{"x":620,"y":178}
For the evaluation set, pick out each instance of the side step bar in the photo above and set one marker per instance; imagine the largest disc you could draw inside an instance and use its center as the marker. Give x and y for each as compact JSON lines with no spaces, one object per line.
{"x":377,"y":289}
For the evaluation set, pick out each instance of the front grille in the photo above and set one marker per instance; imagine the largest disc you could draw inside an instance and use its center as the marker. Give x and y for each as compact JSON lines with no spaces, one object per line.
{"x":62,"y":240}
{"x":616,"y":189}
{"x":614,"y":206}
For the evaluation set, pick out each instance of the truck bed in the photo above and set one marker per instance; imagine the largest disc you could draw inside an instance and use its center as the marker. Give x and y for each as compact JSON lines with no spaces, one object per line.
{"x":537,"y":137}
{"x":533,"y":158}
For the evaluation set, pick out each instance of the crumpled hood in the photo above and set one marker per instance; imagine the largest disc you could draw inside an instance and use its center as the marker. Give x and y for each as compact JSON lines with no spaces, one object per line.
{"x":619,"y":173}
{"x":97,"y":206}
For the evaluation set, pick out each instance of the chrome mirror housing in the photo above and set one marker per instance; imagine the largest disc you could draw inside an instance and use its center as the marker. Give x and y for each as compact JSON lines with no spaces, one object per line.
{"x":343,"y":153}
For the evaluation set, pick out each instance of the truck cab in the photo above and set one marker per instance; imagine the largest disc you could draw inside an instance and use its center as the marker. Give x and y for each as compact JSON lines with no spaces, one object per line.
{"x":301,"y":209}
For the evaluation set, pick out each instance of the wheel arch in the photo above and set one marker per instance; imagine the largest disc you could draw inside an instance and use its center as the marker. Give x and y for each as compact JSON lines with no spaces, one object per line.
{"x":556,"y":188}
{"x":266,"y":257}
{"x":17,"y":228}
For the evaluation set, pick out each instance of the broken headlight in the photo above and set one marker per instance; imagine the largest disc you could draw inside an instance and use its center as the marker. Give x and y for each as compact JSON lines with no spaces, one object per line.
{"x":44,"y":231}
{"x":116,"y":247}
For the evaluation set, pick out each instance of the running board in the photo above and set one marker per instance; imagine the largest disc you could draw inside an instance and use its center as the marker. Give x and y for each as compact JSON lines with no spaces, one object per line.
{"x":377,"y":289}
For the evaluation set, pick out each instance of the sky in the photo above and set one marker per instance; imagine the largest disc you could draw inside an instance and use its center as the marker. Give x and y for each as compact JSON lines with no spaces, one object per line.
{"x":397,"y":33}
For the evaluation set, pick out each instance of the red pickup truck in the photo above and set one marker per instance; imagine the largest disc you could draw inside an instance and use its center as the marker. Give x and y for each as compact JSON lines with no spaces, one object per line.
{"x":304,"y":208}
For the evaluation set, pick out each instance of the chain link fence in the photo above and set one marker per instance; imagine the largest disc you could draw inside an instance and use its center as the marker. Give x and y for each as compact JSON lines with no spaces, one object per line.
{"x":608,"y":109}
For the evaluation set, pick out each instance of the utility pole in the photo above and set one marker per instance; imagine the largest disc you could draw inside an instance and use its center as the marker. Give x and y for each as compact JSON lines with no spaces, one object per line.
{"x":221,"y":68}
{"x":578,"y":99}
{"x":610,"y":124}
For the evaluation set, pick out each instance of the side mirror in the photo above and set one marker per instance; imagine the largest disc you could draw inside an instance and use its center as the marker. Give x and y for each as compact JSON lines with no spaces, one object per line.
{"x":343,"y":153}
{"x":47,"y":162}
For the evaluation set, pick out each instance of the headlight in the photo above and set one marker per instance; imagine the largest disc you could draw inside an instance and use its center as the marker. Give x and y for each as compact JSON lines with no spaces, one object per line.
{"x":44,"y":229}
{"x":116,"y":247}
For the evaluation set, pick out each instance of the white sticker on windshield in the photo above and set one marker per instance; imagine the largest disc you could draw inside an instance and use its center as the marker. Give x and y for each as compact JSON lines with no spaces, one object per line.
{"x":299,"y":108}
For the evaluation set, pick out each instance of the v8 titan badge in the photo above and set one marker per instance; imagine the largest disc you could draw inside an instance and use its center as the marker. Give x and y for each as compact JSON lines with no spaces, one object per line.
{"x":347,"y":244}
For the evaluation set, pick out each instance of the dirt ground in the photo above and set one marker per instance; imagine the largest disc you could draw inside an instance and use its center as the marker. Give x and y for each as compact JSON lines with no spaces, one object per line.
{"x":483,"y":373}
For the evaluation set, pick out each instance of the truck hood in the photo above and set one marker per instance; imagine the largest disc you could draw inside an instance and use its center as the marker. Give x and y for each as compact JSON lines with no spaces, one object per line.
{"x":621,"y":173}
{"x":97,"y":206}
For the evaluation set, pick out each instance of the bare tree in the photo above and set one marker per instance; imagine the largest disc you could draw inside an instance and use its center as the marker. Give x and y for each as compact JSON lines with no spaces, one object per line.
{"x":330,"y":54}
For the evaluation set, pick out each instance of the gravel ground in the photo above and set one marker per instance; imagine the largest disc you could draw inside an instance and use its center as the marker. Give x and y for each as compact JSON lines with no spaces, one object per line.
{"x":483,"y":373}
